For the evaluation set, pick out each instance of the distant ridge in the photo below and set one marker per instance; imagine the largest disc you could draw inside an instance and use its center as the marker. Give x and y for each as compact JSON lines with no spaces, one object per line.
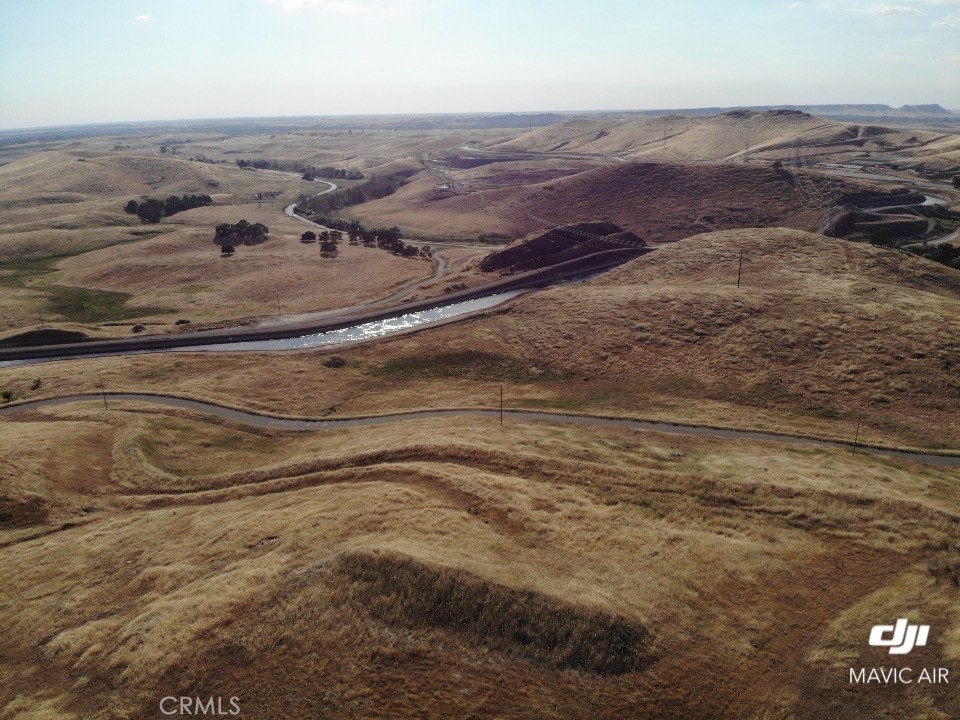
{"x":851,"y":111}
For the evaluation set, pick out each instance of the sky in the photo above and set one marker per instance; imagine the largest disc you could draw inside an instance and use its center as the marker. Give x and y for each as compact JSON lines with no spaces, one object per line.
{"x":86,"y":61}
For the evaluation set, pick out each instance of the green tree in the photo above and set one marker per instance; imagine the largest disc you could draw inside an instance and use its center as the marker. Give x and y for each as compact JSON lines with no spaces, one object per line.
{"x":150,"y":211}
{"x":241,"y":232}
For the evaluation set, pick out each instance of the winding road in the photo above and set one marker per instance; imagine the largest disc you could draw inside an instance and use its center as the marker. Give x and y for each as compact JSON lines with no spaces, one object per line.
{"x":288,"y":210}
{"x":263,"y":420}
{"x":440,"y":268}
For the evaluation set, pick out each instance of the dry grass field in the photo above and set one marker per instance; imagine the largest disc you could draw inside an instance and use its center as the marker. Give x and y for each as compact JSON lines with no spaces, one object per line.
{"x":658,"y":202}
{"x":453,"y":568}
{"x":69,"y":253}
{"x":736,"y":136}
{"x":821,"y":332}
{"x":182,"y":271}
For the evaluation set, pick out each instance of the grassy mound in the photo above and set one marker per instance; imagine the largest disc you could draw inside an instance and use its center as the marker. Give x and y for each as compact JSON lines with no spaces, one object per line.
{"x":398,"y":590}
{"x":559,"y":245}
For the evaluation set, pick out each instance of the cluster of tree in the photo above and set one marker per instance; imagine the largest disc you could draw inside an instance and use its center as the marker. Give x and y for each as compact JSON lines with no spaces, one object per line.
{"x":383,"y":238}
{"x":947,"y":254}
{"x":204,"y":159}
{"x":332,"y":173}
{"x":309,"y":172}
{"x":240,"y":233}
{"x":152,"y":209}
{"x":329,"y":240}
{"x":256,"y":164}
{"x":395,"y":245}
{"x":376,"y":187}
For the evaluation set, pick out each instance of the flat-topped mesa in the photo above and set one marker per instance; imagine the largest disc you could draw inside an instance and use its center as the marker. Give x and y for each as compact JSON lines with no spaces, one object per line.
{"x":561,"y":244}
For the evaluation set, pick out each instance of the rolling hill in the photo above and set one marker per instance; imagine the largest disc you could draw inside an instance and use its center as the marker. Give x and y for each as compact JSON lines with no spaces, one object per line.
{"x":659,"y":202}
{"x":735,"y":135}
{"x":529,"y":571}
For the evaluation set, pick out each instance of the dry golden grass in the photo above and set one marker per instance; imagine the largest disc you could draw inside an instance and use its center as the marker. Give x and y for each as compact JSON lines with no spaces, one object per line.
{"x":183,"y":270}
{"x":731,"y":137}
{"x":820,"y":331}
{"x":658,"y":202}
{"x":453,"y":568}
{"x":69,"y":214}
{"x":62,"y":202}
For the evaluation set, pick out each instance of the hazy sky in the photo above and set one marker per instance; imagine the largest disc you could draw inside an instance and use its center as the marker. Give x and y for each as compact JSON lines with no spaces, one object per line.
{"x":75,"y":61}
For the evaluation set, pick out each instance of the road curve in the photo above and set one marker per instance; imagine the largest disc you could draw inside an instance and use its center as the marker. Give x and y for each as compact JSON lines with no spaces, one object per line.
{"x":598,"y":261}
{"x":289,"y":209}
{"x":275,"y":422}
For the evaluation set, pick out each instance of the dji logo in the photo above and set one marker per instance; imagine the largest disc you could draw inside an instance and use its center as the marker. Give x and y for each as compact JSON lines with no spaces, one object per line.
{"x":905,"y":636}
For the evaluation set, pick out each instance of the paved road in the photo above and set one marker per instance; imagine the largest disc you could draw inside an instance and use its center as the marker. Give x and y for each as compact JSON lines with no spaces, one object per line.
{"x":507,"y":152}
{"x":305,"y":425}
{"x":439,"y":270}
{"x":288,"y":210}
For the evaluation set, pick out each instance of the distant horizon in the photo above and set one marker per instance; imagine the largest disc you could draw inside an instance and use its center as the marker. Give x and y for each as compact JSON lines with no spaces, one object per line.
{"x":465,"y":113}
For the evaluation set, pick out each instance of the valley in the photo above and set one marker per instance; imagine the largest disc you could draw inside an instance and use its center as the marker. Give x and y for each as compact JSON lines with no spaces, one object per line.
{"x":697,"y":439}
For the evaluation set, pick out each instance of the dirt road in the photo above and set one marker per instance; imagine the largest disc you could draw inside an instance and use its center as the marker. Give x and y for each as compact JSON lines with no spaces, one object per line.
{"x":309,"y":425}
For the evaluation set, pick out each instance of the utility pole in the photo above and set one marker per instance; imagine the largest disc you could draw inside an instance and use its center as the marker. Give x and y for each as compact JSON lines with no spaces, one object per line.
{"x":740,"y":269}
{"x":856,"y":437}
{"x":103,"y":393}
{"x":278,"y":306}
{"x":501,"y":405}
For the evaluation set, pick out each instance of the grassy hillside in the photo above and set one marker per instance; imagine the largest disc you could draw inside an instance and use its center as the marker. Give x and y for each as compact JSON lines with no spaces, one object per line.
{"x":658,"y":202}
{"x":70,"y":254}
{"x":536,"y":571}
{"x":529,"y":571}
{"x":821,"y":333}
{"x":820,"y":329}
{"x":733,"y":136}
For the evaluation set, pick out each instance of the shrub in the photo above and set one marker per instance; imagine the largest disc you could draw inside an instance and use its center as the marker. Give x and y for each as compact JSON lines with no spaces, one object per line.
{"x":334,"y":361}
{"x":946,"y":566}
{"x":35,"y":385}
{"x":6,"y":395}
{"x":137,"y":328}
